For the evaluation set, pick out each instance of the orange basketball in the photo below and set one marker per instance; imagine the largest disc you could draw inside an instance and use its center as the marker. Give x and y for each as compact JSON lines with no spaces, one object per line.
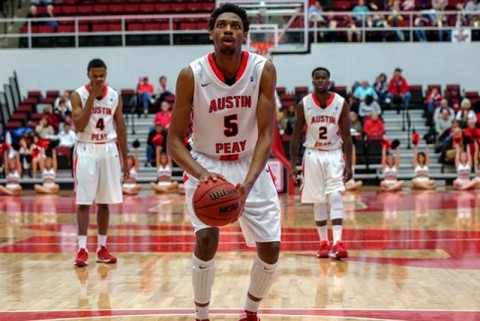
{"x":217,"y":203}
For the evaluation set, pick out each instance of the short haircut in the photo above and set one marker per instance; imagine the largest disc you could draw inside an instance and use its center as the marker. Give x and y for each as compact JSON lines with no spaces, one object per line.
{"x":321,"y":69}
{"x":229,"y":7}
{"x":96,"y":63}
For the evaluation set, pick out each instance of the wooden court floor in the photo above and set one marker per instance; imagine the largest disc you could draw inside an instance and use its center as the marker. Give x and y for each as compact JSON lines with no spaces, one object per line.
{"x":413,"y":256}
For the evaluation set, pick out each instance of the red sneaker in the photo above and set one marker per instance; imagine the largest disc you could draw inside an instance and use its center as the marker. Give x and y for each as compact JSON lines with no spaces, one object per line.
{"x":104,"y":256}
{"x":82,"y":258}
{"x":338,"y":251}
{"x":249,"y":316}
{"x":324,"y":250}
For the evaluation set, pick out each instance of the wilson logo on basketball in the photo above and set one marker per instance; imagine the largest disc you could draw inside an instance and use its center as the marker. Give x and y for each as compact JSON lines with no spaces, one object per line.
{"x":222,"y":193}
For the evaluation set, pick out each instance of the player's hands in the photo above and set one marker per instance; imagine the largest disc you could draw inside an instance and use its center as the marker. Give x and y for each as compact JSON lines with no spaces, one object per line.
{"x":97,"y":88}
{"x":293,"y":174}
{"x":205,"y":176}
{"x":244,"y":190}
{"x":347,"y":174}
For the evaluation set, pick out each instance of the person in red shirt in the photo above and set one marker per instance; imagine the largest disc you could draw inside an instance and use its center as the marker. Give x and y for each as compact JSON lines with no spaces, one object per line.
{"x":398,"y":88}
{"x":145,"y":91}
{"x":164,"y":116}
{"x":374,"y":127}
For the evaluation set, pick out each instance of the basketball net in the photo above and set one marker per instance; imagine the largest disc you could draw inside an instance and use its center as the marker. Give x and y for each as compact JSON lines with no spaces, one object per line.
{"x":262,"y":48}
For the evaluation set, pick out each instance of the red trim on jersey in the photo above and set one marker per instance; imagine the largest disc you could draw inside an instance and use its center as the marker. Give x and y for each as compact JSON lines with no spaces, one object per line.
{"x":230,"y":157}
{"x":329,"y":101}
{"x":75,"y":162}
{"x":104,"y":93}
{"x":219,"y":74}
{"x":185,"y":178}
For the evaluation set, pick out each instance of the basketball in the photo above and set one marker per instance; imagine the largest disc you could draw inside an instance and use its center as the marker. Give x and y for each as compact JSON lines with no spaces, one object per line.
{"x":217,"y":203}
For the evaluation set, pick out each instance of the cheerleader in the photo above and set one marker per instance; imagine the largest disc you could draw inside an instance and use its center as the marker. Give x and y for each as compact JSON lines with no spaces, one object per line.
{"x":390,"y":165}
{"x":164,"y":182}
{"x":421,"y":162}
{"x":463,"y":163}
{"x":130,"y":186}
{"x":49,"y":172}
{"x":13,"y":172}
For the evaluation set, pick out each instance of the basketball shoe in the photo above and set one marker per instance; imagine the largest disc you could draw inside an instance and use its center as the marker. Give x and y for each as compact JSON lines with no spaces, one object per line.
{"x":249,"y":316}
{"x":82,"y":258}
{"x":338,"y":251}
{"x":104,"y":256}
{"x":324,"y":250}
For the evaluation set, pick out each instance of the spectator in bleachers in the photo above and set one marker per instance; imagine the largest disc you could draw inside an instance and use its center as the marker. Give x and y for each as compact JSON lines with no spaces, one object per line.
{"x":394,"y":17}
{"x":421,"y":163}
{"x":446,"y":139}
{"x":162,"y":90}
{"x":33,"y":15}
{"x":356,"y":129}
{"x":130,"y":186}
{"x":398,"y":88}
{"x":44,"y":130}
{"x":364,"y":90}
{"x":62,"y":109}
{"x":49,"y":173}
{"x":465,"y":113}
{"x":145,"y":92}
{"x":52,"y":119}
{"x":51,"y":15}
{"x":443,"y":123}
{"x":381,"y":88}
{"x":374,"y":127}
{"x":358,"y":20}
{"x":463,"y":164}
{"x":67,"y":137}
{"x":290,"y":120}
{"x":390,"y":166}
{"x":13,"y":172}
{"x":369,"y":106}
{"x":440,"y":19}
{"x":470,"y":7}
{"x":433,"y":99}
{"x":151,"y":144}
{"x":164,"y":116}
{"x":66,"y":98}
{"x":164,"y":182}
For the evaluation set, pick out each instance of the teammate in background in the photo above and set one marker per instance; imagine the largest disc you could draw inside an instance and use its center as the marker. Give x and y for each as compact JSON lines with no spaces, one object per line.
{"x":49,"y":171}
{"x":98,"y":118}
{"x":463,"y":163}
{"x":130,"y":186}
{"x":352,"y":184}
{"x":324,"y":171}
{"x":164,"y":182}
{"x":390,"y":165}
{"x":421,"y":162}
{"x":232,"y":143}
{"x":13,"y":172}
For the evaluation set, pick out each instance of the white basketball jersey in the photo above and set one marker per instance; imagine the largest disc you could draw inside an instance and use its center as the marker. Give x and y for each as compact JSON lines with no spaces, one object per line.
{"x":48,"y":174}
{"x":323,"y":130}
{"x":100,"y":128}
{"x":421,"y":171}
{"x":224,"y":117}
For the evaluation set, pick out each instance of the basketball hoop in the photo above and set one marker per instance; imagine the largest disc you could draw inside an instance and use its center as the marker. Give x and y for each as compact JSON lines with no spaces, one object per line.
{"x":262,"y":48}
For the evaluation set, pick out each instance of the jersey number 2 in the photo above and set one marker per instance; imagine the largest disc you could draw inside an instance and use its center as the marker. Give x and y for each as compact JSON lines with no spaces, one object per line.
{"x":322,"y":133}
{"x":230,"y":125}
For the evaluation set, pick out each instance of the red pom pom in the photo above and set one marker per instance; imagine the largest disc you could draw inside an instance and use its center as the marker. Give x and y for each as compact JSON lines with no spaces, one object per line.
{"x":43,"y":143}
{"x":6,"y":146}
{"x":35,"y":152}
{"x":457,"y":139}
{"x":157,"y":140}
{"x":415,"y":139}
{"x":386,"y":143}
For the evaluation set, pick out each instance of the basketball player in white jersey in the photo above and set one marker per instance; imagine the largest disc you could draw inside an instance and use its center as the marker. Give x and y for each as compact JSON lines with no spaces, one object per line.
{"x":230,"y":96}
{"x":97,"y":114}
{"x":324,"y":170}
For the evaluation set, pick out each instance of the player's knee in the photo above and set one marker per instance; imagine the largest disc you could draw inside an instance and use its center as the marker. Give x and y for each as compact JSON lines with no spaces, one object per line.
{"x":335,"y":200}
{"x":268,"y":252}
{"x":207,"y":240}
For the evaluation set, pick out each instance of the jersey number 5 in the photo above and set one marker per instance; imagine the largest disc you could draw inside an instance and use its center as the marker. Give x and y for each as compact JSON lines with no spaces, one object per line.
{"x":322,"y":133}
{"x":230,"y":125}
{"x":100,"y":124}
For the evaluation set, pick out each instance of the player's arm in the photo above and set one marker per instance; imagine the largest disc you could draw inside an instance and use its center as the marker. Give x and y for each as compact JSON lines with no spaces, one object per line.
{"x":347,"y":141}
{"x":296,"y":139}
{"x":177,"y":131}
{"x":266,"y":113}
{"x":121,"y":136}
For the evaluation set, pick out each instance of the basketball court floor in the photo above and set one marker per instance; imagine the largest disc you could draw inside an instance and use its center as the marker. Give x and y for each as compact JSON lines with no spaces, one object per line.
{"x":413,"y":256}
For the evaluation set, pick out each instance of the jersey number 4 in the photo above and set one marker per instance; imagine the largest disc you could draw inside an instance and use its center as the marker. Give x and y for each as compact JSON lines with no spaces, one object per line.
{"x":100,"y":124}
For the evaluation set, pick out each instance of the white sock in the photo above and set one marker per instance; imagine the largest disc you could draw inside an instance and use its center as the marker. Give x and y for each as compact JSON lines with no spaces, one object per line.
{"x":82,"y":241}
{"x":337,"y":233}
{"x":323,"y":232}
{"x":262,"y":276}
{"x":102,"y":240}
{"x":320,"y":214}
{"x":203,"y":274}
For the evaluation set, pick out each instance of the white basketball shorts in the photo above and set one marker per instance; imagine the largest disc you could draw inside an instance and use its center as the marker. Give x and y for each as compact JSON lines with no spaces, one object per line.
{"x":260,"y":221}
{"x":98,"y":174}
{"x":322,"y":174}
